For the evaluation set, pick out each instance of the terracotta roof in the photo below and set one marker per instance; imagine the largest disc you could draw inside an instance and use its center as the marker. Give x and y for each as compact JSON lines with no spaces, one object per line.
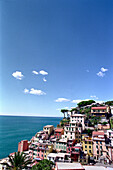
{"x":97,"y":108}
{"x":95,"y":133}
{"x":58,"y":130}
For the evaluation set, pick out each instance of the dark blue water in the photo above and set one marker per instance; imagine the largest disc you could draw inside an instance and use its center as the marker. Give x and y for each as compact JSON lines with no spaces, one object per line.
{"x":13,"y":129}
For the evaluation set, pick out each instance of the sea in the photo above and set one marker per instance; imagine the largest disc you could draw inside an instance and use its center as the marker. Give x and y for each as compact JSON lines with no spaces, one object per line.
{"x":13,"y":129}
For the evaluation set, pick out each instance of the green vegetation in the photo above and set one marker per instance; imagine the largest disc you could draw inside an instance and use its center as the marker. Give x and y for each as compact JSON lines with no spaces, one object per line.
{"x":111,"y":122}
{"x":95,"y":120}
{"x":109,"y":103}
{"x":43,"y":165}
{"x":64,"y":122}
{"x":104,"y":123}
{"x":74,"y":109}
{"x":85,"y":103}
{"x":64,"y":111}
{"x":88,"y":131}
{"x":18,"y":162}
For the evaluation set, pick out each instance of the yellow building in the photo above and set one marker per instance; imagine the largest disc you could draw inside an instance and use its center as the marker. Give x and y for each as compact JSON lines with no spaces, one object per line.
{"x":87,"y":145}
{"x":48,"y":128}
{"x":49,"y":149}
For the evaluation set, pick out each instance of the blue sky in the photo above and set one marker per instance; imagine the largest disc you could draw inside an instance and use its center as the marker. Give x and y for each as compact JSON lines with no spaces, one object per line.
{"x":54,"y":54}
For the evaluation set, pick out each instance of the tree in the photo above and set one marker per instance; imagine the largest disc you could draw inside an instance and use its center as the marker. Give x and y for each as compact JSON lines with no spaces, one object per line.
{"x":104,"y":123}
{"x":43,"y":165}
{"x":64,"y":111}
{"x":18,"y":162}
{"x":109,"y":103}
{"x":74,"y":109}
{"x":95,"y":120}
{"x":85,"y":103}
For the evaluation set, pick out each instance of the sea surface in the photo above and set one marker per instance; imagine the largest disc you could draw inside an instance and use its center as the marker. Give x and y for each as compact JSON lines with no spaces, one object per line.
{"x":13,"y":129}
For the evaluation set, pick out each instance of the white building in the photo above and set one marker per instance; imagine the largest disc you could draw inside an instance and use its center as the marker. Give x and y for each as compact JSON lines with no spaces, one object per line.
{"x":59,"y":157}
{"x":78,"y":118}
{"x":73,"y":132}
{"x":111,"y":107}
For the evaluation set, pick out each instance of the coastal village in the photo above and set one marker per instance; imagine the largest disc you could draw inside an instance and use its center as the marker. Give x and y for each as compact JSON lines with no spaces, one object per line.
{"x":82,"y":140}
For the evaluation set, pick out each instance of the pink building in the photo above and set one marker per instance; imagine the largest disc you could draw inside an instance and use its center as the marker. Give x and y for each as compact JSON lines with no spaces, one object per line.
{"x":23,"y":146}
{"x":73,"y":150}
{"x":58,"y":133}
{"x":40,"y":150}
{"x":100,"y":149}
{"x":103,"y":127}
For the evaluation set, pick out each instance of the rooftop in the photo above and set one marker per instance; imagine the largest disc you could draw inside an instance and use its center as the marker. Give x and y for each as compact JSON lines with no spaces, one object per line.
{"x":70,"y":166}
{"x":96,"y":133}
{"x":97,"y":108}
{"x":58,"y":130}
{"x":77,"y":115}
{"x":48,"y":126}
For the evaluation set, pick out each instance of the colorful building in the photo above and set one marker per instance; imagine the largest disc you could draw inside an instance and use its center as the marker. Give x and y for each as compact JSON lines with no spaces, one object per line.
{"x":79,"y":119}
{"x":102,"y":111}
{"x":100,"y":149}
{"x":59,"y":157}
{"x":58,"y":133}
{"x":74,"y":150}
{"x":49,"y":129}
{"x":73,"y":131}
{"x":87,"y":145}
{"x":23,"y":146}
{"x":61,"y":145}
{"x":103,"y":127}
{"x":40,"y":150}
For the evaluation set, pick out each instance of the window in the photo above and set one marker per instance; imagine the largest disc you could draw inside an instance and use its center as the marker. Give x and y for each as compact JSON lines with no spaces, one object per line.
{"x":100,"y":142}
{"x":97,"y":142}
{"x":97,"y":152}
{"x":89,"y":146}
{"x":85,"y":142}
{"x":100,"y":147}
{"x":89,"y":151}
{"x":85,"y":146}
{"x":97,"y":146}
{"x":89,"y":142}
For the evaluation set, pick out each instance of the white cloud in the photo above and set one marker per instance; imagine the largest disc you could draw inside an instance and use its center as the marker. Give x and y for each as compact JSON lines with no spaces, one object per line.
{"x":44,"y":79}
{"x":62,"y":100}
{"x":43,"y":72}
{"x":99,"y":101}
{"x":104,"y":69}
{"x":18,"y":75}
{"x":76,"y":101}
{"x":79,"y":100}
{"x":100,"y":74}
{"x":26,"y":90}
{"x":34,"y":91}
{"x":35,"y":72}
{"x":59,"y":109}
{"x":94,"y":97}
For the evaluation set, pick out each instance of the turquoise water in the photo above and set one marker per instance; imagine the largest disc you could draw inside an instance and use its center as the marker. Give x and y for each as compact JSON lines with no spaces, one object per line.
{"x":13,"y":129}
